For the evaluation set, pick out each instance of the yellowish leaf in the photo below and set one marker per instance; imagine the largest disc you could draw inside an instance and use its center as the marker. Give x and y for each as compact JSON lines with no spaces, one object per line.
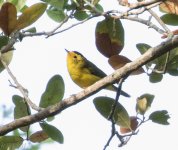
{"x":30,"y":15}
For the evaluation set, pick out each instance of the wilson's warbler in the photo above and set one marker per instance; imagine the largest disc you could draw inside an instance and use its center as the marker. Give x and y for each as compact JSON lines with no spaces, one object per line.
{"x":84,"y":73}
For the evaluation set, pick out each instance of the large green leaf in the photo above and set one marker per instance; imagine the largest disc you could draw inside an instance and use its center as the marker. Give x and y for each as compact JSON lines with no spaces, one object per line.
{"x":52,"y":132}
{"x":80,"y":15}
{"x":160,"y":117}
{"x":54,"y":92}
{"x":21,"y":109}
{"x":104,"y":107}
{"x":10,"y":142}
{"x":56,"y":15}
{"x":170,"y":19}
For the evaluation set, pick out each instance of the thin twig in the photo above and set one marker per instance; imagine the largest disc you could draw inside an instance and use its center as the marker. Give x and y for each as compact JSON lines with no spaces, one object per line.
{"x":113,"y":132}
{"x":20,"y":87}
{"x":138,"y":4}
{"x":59,"y":26}
{"x":159,"y":21}
{"x":118,"y":93}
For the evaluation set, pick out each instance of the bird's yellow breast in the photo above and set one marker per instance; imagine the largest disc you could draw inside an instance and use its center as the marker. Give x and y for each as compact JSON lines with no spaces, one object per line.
{"x":82,"y":77}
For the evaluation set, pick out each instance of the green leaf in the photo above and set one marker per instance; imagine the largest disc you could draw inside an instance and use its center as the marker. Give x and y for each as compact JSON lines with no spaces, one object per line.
{"x":99,"y":8}
{"x":104,"y":107}
{"x":95,"y":2}
{"x":7,"y":57}
{"x":3,"y":41}
{"x":142,"y":47}
{"x":52,"y":132}
{"x":21,"y":109}
{"x":10,"y":142}
{"x":54,"y":92}
{"x":172,"y":66}
{"x":19,"y":4}
{"x":56,"y":15}
{"x":144,"y":103}
{"x":155,"y":77}
{"x":31,"y":30}
{"x":80,"y":15}
{"x":160,"y":117}
{"x":55,"y":3}
{"x":170,"y":19}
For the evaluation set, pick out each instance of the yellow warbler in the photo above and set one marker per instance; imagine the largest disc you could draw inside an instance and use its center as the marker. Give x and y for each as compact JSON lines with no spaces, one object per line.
{"x":84,"y":73}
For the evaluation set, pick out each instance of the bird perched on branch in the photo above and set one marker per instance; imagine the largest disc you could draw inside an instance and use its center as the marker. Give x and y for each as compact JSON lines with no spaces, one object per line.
{"x":84,"y":73}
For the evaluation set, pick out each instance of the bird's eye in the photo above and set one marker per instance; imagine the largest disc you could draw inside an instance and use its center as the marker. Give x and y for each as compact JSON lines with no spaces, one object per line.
{"x":75,"y":56}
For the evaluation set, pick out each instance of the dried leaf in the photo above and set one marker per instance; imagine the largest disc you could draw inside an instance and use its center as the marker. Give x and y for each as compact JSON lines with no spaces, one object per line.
{"x":118,"y":61}
{"x":8,"y":18}
{"x":109,"y":36}
{"x":169,"y":6}
{"x":133,"y":125}
{"x":38,"y":136}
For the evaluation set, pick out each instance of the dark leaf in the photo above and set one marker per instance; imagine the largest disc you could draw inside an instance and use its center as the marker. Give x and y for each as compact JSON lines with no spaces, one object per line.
{"x":170,"y":19}
{"x":155,"y":77}
{"x":104,"y":107}
{"x":109,"y":36}
{"x":160,"y":117}
{"x":21,"y":109}
{"x":52,"y":132}
{"x":8,"y":18}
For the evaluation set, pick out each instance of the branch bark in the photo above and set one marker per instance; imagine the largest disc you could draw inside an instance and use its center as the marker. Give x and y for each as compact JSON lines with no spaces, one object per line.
{"x":151,"y":54}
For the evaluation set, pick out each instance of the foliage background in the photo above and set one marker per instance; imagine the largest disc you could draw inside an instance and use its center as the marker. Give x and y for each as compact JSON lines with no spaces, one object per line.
{"x":36,"y":59}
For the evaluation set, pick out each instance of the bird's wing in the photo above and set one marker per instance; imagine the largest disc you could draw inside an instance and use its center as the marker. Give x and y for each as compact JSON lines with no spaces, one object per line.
{"x":95,"y":70}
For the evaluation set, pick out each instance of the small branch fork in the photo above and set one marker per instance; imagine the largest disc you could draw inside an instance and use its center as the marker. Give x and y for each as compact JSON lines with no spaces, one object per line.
{"x":23,"y":91}
{"x":17,"y":85}
{"x":145,"y":5}
{"x":122,"y":138}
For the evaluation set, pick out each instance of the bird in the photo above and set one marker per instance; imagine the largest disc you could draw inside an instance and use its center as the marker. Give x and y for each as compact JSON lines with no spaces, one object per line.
{"x":84,"y":73}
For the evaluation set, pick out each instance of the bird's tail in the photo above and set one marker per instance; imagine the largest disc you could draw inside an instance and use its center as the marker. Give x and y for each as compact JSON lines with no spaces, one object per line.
{"x":114,"y":88}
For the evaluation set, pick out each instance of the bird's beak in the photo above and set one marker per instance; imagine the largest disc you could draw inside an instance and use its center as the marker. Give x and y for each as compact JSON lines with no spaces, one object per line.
{"x":67,"y":51}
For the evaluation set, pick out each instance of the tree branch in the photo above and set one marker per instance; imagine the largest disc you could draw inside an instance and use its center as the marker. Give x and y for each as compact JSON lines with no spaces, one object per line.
{"x":20,"y":87}
{"x":151,"y":54}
